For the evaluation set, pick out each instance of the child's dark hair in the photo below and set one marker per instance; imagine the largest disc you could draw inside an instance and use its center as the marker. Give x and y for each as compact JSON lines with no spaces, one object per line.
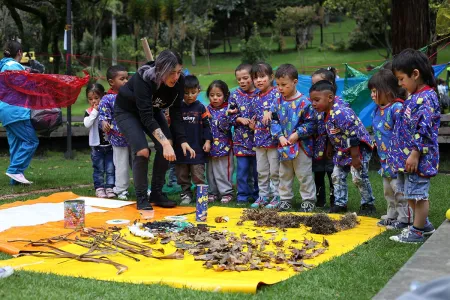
{"x":409,"y":59}
{"x":388,"y":65}
{"x":12,"y":48}
{"x":287,"y":70}
{"x":385,"y":82}
{"x":222,"y":86}
{"x":327,"y":74}
{"x":261,"y":69}
{"x":112,"y":71}
{"x":321,"y":86}
{"x":191,"y":82}
{"x":96,"y":88}
{"x":244,"y":66}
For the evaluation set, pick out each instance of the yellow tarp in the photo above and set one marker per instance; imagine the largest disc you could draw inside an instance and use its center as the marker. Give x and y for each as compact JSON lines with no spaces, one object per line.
{"x":191,"y":274}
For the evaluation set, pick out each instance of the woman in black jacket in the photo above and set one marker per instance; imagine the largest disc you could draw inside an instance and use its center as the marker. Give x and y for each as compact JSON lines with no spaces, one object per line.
{"x":138,"y":111}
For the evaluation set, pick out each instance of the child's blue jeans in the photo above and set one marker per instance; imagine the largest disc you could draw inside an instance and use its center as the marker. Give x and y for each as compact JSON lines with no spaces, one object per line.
{"x":360,"y":179}
{"x":103,"y":164}
{"x":246,"y":165}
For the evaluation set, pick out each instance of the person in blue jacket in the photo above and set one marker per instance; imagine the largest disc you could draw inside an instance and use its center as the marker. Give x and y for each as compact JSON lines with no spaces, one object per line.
{"x":22,"y":138}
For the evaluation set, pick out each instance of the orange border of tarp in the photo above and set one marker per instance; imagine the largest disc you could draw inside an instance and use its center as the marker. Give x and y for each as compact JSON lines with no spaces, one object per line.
{"x":52,"y":229}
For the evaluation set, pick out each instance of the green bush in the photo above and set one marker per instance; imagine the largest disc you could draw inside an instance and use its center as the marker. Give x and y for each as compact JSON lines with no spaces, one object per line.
{"x":254,"y":49}
{"x":358,"y":40}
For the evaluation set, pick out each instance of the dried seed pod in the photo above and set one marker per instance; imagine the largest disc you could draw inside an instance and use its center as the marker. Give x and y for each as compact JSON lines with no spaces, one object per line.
{"x":222,"y":219}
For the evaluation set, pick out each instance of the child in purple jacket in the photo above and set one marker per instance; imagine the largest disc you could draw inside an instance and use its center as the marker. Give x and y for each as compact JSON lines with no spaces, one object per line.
{"x":220,"y":165}
{"x":241,"y":116}
{"x":267,"y":162}
{"x":414,"y":149}
{"x":352,"y":148}
{"x":117,"y":76}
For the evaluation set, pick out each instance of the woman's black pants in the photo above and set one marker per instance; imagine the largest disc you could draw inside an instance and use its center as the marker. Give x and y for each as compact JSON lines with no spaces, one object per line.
{"x":131,"y":127}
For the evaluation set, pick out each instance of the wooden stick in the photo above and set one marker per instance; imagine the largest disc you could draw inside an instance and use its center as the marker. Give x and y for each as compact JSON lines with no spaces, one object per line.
{"x":147,"y":51}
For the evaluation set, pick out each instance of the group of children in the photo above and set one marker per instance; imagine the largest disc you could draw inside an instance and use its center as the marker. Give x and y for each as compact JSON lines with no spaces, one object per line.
{"x":110,"y":152}
{"x":277,"y":133}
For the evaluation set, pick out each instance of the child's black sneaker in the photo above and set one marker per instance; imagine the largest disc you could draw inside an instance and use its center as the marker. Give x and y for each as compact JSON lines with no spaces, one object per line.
{"x":337,"y":209}
{"x":367,"y":209}
{"x":161,"y":200}
{"x":143,"y":204}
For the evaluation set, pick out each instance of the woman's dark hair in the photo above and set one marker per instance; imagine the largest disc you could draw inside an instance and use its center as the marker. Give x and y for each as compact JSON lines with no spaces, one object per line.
{"x":220,"y":85}
{"x":261,"y":69}
{"x":166,"y":61}
{"x":96,"y":88}
{"x":328,"y":75}
{"x":321,"y":86}
{"x":12,"y":48}
{"x":385,"y":82}
{"x":409,"y":59}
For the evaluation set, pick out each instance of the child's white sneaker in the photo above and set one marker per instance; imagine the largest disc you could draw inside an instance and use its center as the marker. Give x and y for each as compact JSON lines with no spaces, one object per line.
{"x":123,"y":195}
{"x":19,"y":178}
{"x":185,"y":199}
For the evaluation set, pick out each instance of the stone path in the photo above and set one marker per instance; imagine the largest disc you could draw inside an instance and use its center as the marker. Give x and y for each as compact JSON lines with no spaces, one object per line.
{"x":430,"y":261}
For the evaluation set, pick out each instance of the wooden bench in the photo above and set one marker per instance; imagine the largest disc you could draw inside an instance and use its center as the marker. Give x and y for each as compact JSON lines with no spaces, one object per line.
{"x":444,"y":130}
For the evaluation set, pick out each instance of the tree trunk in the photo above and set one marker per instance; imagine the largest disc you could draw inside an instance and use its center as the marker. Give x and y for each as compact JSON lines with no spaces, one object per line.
{"x":281,"y":42}
{"x":156,"y":33}
{"x":193,"y":41}
{"x":410,"y":24}
{"x":114,"y":39}
{"x":136,"y":30}
{"x":55,"y":51}
{"x":16,"y":17}
{"x":208,"y":53}
{"x":171,"y":31}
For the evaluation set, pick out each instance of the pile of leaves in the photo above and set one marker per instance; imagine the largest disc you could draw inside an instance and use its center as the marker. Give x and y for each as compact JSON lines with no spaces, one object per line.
{"x":320,"y":223}
{"x":226,"y":251}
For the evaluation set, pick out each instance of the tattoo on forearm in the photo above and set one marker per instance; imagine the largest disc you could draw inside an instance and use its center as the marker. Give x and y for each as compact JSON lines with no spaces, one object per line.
{"x":159,"y":135}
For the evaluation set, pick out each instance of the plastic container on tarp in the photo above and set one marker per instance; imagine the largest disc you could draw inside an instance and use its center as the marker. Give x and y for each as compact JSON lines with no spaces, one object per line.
{"x":202,"y":203}
{"x":74,"y":214}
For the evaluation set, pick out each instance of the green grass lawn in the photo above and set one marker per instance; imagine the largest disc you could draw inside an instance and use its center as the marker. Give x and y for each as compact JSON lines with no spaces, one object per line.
{"x":359,"y":274}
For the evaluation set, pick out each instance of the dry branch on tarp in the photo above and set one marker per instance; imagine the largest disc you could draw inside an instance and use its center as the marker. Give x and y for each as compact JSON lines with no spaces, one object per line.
{"x":320,"y":223}
{"x":100,"y":243}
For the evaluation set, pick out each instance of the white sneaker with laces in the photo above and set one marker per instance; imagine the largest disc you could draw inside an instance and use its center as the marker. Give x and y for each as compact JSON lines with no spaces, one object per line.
{"x":307,"y":206}
{"x":123,"y":195}
{"x":185,"y":199}
{"x":19,"y":178}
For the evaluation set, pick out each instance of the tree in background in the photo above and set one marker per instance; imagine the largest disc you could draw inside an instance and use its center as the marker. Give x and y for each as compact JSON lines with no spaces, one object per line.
{"x":254,"y":50}
{"x":373,"y":20}
{"x":298,"y":20}
{"x":197,"y":22}
{"x":170,"y":15}
{"x":410,"y":25}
